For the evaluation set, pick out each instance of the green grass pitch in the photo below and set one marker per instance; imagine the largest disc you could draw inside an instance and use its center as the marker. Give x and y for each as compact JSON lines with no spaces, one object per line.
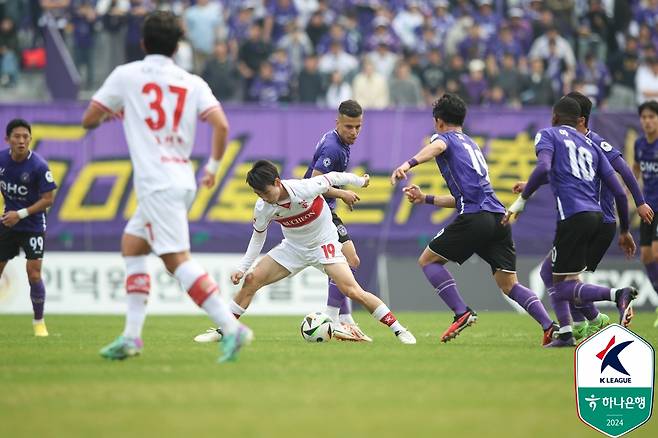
{"x":492,"y":381}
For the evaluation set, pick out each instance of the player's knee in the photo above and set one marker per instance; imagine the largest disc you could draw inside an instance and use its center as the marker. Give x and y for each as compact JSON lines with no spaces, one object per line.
{"x":33,"y":275}
{"x":252,"y":283}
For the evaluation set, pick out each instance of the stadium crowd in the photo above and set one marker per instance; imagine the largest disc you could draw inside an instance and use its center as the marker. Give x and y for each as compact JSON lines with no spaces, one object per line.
{"x":383,"y":53}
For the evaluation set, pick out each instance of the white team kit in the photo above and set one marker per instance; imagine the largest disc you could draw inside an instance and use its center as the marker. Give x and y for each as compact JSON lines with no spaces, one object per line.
{"x":160,"y":103}
{"x":310,"y":236}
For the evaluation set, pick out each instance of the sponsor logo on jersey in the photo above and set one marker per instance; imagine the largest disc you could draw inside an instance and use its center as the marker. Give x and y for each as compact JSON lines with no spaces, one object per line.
{"x":305,"y":217}
{"x":13,"y":189}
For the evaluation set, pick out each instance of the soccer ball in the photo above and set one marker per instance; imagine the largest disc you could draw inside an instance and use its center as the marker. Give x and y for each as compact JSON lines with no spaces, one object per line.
{"x":317,"y":327}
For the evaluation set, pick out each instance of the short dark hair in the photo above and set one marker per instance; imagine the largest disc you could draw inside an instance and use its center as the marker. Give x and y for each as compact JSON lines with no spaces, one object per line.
{"x":651,"y":105}
{"x":450,"y":108}
{"x":567,"y":111}
{"x":350,"y":108}
{"x":17,"y":123}
{"x":262,"y":174}
{"x":161,"y":32}
{"x":585,"y":104}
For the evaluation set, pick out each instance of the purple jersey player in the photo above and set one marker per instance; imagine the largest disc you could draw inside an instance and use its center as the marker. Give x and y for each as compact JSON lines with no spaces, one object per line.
{"x":332,"y":154}
{"x":477,"y":229}
{"x":646,"y":166}
{"x":576,"y":168}
{"x":28,"y":189}
{"x":586,"y":317}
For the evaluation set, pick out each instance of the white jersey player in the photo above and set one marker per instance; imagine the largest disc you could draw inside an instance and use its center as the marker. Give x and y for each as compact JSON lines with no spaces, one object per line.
{"x":160,"y":103}
{"x":310,"y":239}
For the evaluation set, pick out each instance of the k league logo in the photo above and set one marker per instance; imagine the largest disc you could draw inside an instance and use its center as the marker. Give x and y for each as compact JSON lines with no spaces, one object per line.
{"x":614,"y":380}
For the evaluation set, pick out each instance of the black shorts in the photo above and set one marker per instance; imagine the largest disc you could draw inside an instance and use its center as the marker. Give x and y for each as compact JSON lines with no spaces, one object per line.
{"x":600,"y":245}
{"x":343,"y":236}
{"x":477,"y":233}
{"x":574,"y":241}
{"x":11,"y":241}
{"x":648,"y":233}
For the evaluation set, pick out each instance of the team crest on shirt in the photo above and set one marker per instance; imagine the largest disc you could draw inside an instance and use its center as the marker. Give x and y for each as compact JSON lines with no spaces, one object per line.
{"x":304,"y":204}
{"x":326,"y":162}
{"x":25,"y":177}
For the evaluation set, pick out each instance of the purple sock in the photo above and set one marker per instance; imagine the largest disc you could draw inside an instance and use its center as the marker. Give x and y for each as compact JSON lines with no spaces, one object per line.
{"x":529,"y":301}
{"x":587,"y":310}
{"x":560,"y":307}
{"x":546,"y":272}
{"x":38,"y":297}
{"x":652,"y":273}
{"x":346,"y":307}
{"x":576,"y":313}
{"x":580,"y":293}
{"x":335,"y":297}
{"x":445,"y":287}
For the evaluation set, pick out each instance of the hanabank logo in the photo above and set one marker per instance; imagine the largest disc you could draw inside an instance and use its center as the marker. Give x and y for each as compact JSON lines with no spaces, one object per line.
{"x":609,"y":357}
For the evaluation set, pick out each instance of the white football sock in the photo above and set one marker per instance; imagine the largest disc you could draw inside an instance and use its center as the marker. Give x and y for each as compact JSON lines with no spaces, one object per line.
{"x":135,"y":315}
{"x":332,"y":312}
{"x":219,"y":313}
{"x":346,"y":318}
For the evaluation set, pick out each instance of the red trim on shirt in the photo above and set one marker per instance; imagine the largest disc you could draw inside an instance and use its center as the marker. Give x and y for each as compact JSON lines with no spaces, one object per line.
{"x":204,"y":114}
{"x":101,"y":106}
{"x":177,"y":160}
{"x":305,"y":217}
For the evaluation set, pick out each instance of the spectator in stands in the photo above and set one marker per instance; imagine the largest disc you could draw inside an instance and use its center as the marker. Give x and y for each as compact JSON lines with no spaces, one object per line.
{"x":404,"y":88}
{"x":263,"y":89}
{"x":310,"y":86}
{"x":134,"y":20}
{"x":595,"y":76}
{"x":221,"y":73}
{"x":370,"y":88}
{"x":383,"y":59}
{"x":487,"y":19}
{"x":538,"y":89}
{"x":541,"y":48}
{"x":253,"y":52}
{"x":406,"y":23}
{"x":298,"y":46}
{"x":338,"y":91}
{"x":623,"y":67}
{"x":382,"y":34}
{"x":429,"y":40}
{"x":239,"y":24}
{"x":8,"y":53}
{"x":510,"y":79}
{"x":316,"y":29}
{"x":433,"y":77}
{"x":496,"y":98}
{"x":336,"y":34}
{"x":504,"y":43}
{"x":475,"y":83}
{"x":596,"y":31}
{"x":454,"y":73}
{"x":646,"y":81}
{"x":474,"y":45}
{"x":353,"y":35}
{"x":113,"y":16}
{"x":280,"y":13}
{"x":282,"y":74}
{"x":520,"y":28}
{"x":202,"y":22}
{"x":441,"y":20}
{"x":84,"y":21}
{"x":337,"y":59}
{"x":184,"y":56}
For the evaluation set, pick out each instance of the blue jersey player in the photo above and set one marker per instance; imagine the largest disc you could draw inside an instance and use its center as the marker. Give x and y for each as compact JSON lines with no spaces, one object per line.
{"x":575,"y":168}
{"x":586,"y":317}
{"x":332,"y":154}
{"x":646,"y":167}
{"x":477,"y":229}
{"x":28,"y":189}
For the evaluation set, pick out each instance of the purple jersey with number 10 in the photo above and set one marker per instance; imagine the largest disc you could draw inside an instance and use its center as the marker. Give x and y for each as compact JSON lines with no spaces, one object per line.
{"x":466,"y":172}
{"x":575,"y":171}
{"x":606,"y":199}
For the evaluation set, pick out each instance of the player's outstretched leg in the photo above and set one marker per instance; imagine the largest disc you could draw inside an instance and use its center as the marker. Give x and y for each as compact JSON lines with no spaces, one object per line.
{"x":568,"y":291}
{"x":580,"y":322}
{"x":446,"y":288}
{"x":528,"y":300}
{"x":138,"y":287}
{"x":342,"y":275}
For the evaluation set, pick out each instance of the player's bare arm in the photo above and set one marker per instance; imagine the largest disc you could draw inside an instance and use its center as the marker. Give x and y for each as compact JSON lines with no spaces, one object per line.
{"x":253,"y":250}
{"x":416,"y":196}
{"x":347,"y":196}
{"x":431,"y":150}
{"x":11,"y":218}
{"x":94,"y":115}
{"x":217,"y":119}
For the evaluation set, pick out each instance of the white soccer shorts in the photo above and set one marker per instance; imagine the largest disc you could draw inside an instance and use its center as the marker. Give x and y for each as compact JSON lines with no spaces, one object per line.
{"x":295,"y":258}
{"x":161,"y":220}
